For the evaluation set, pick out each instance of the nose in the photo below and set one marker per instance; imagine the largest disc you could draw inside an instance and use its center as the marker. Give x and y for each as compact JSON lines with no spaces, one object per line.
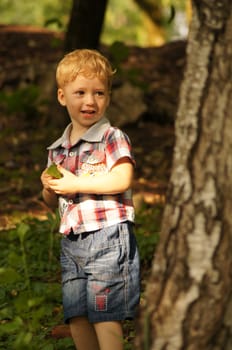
{"x":89,"y":99}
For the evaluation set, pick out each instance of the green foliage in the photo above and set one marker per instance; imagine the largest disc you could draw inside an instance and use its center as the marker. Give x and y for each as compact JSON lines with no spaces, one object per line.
{"x":53,"y":21}
{"x":176,"y":3}
{"x":124,"y":20}
{"x":36,"y":13}
{"x":147,"y":232}
{"x":119,"y":53}
{"x":30,"y":294}
{"x":30,"y":288}
{"x":24,"y":101}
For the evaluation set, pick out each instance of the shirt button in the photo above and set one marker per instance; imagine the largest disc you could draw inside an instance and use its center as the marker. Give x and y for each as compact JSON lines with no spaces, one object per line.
{"x":71,"y":154}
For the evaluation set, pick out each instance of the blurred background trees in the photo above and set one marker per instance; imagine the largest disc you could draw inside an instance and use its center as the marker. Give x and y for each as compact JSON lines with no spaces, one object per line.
{"x":114,"y":26}
{"x":135,"y":22}
{"x":85,"y":24}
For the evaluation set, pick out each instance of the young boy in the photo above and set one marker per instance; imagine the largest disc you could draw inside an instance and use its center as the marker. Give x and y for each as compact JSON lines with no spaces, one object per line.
{"x":99,"y":257}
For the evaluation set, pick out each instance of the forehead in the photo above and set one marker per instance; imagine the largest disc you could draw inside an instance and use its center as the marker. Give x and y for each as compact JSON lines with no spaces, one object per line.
{"x":87,"y":82}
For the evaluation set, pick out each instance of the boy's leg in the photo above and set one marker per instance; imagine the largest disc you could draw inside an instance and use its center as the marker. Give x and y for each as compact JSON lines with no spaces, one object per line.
{"x":83,"y":334}
{"x":110,"y":335}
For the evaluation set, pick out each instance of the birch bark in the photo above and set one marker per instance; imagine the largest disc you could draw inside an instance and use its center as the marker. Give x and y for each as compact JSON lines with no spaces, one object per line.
{"x":189,"y":294}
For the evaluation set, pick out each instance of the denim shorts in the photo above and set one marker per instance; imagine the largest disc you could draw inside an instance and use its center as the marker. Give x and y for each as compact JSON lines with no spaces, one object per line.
{"x":100,"y":274}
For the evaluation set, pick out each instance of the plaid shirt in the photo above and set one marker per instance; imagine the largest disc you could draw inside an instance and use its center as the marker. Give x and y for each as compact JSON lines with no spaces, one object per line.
{"x":95,"y":153}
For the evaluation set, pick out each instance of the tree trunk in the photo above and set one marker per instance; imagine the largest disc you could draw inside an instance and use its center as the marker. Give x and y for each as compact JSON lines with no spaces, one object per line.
{"x":188,"y":303}
{"x":85,"y":24}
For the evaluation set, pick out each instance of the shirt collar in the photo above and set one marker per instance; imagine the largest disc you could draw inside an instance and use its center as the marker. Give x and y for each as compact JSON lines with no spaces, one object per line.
{"x":93,"y":134}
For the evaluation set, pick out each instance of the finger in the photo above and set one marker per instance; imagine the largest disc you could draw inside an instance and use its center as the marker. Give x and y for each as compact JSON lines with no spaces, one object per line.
{"x":60,"y":168}
{"x":54,"y":182}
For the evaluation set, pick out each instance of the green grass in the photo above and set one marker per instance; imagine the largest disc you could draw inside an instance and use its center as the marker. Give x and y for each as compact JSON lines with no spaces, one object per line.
{"x":30,"y":297}
{"x":30,"y":294}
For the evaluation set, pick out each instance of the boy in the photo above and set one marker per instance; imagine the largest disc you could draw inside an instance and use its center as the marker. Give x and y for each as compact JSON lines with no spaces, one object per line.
{"x":99,"y":257}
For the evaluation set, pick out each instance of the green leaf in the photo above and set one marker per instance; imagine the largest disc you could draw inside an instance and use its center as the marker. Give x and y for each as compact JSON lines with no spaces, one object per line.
{"x":48,"y":347}
{"x":12,"y":326}
{"x":53,"y":171}
{"x":9,"y":275}
{"x":14,"y":259}
{"x":22,"y":230}
{"x":119,"y":51}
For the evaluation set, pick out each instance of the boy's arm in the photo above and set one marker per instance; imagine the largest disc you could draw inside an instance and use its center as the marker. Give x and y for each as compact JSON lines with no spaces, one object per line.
{"x":118,"y":180}
{"x":49,"y":196}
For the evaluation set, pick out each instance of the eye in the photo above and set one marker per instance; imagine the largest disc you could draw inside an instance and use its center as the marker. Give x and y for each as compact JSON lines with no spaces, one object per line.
{"x":79,"y":93}
{"x":100,"y":93}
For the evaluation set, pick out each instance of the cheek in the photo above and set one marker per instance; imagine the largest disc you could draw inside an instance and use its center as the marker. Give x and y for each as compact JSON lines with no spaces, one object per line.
{"x":72,"y":103}
{"x":106,"y":103}
{"x":71,"y":107}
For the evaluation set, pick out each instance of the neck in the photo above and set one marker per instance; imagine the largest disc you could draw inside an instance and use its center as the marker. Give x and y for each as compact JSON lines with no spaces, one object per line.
{"x":76,"y":133}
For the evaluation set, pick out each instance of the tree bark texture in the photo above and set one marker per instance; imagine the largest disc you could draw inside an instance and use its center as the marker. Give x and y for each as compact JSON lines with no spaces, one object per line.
{"x":188,"y":300}
{"x":85,"y":25}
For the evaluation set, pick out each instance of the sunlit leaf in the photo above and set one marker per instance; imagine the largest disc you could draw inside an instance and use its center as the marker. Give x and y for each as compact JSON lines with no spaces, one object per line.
{"x":32,"y":302}
{"x":22,"y":230}
{"x":12,"y":326}
{"x":23,"y":339}
{"x":53,"y":171}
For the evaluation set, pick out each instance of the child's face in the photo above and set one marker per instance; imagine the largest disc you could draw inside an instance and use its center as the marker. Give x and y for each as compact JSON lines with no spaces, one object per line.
{"x":85,"y":99}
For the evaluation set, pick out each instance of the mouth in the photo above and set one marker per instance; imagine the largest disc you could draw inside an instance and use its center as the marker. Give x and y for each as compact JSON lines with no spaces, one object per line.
{"x":88,"y":113}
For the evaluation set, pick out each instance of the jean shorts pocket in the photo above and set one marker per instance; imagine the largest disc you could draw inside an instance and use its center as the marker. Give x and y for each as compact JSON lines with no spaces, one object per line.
{"x":107,"y":263}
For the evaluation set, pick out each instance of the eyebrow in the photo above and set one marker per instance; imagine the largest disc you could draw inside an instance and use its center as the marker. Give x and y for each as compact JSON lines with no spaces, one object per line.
{"x":95,"y":88}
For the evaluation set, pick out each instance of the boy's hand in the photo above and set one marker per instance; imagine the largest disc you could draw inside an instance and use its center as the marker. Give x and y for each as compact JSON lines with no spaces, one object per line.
{"x":48,"y":194}
{"x":66,"y":185}
{"x":53,"y":171}
{"x":117,"y":180}
{"x":45,"y":178}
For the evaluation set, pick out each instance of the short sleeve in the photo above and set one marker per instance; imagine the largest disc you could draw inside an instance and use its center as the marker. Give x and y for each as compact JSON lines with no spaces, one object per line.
{"x":117,"y":146}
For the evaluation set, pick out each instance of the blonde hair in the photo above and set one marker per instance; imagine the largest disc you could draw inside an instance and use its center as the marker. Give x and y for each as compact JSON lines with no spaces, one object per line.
{"x":89,"y":63}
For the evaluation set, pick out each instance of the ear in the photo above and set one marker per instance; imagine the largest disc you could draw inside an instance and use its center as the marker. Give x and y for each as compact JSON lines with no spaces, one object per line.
{"x":61,"y":97}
